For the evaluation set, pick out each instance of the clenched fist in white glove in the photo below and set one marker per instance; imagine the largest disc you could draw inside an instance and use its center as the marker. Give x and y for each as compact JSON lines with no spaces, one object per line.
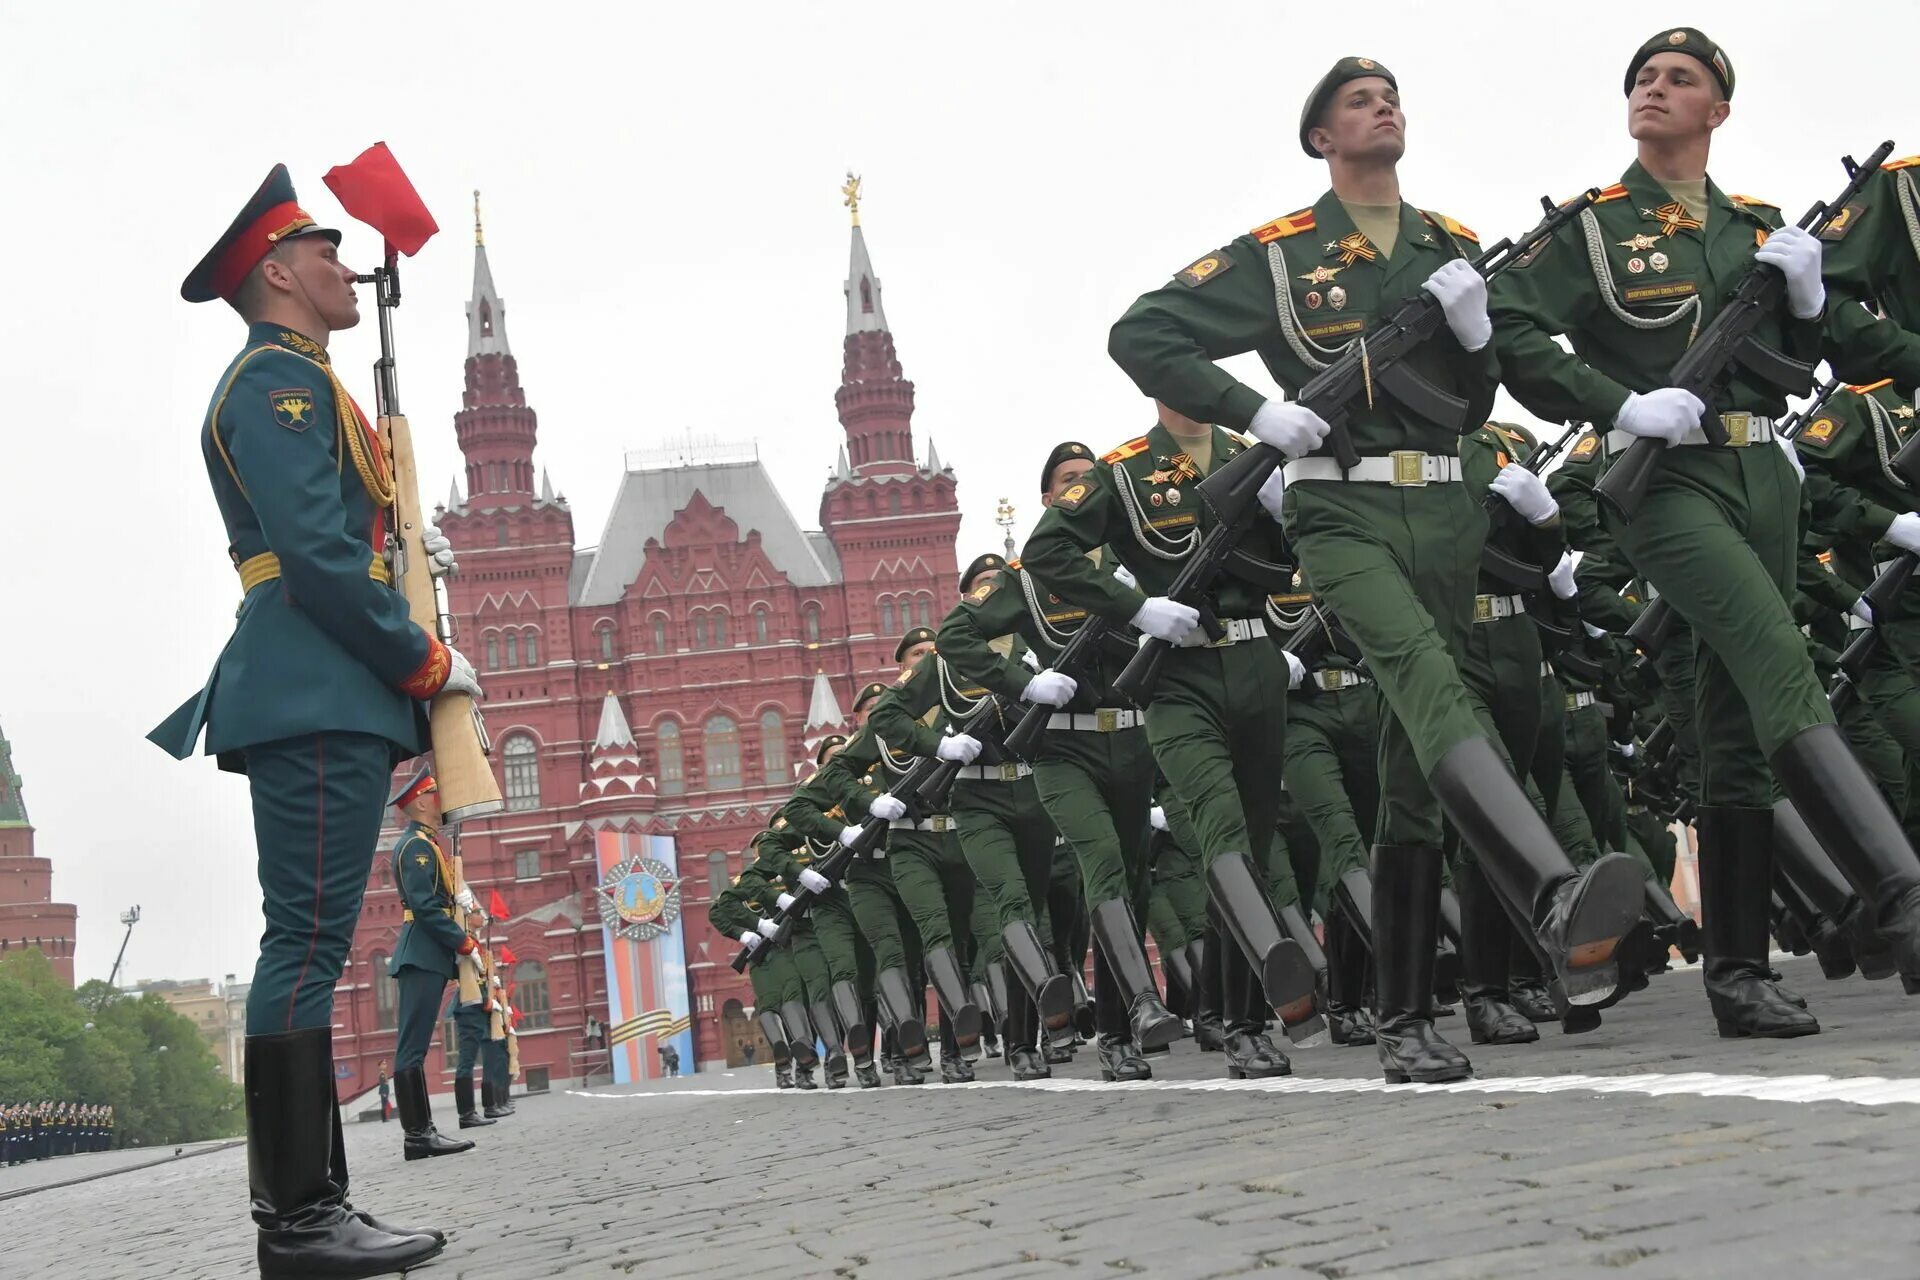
{"x":439,"y":551}
{"x":1124,"y":576}
{"x":1293,"y":429}
{"x":784,"y":901}
{"x":959,"y":748}
{"x":1157,"y":818}
{"x":1797,"y":254}
{"x":1667,"y":413}
{"x":1561,"y":577}
{"x":1462,"y":294}
{"x":1904,"y":532}
{"x":1051,"y":688}
{"x":813,"y":882}
{"x":1273,"y":492}
{"x":1526,"y":493}
{"x":767,"y":928}
{"x":888,"y":806}
{"x":460,"y":676}
{"x":1166,"y":619}
{"x":1296,"y":670}
{"x":752,"y":941}
{"x":849,"y":835}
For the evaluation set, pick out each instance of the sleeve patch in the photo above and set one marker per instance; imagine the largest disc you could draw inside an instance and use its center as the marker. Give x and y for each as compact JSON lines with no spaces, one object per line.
{"x":1073,"y":497}
{"x":1204,"y":269}
{"x":1819,"y":431}
{"x":292,"y":407}
{"x":1585,"y":447}
{"x":985,"y":589}
{"x":1844,"y":220}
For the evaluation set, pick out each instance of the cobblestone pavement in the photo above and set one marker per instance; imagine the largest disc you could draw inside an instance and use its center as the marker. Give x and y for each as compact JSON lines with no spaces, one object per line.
{"x":1537,"y":1173}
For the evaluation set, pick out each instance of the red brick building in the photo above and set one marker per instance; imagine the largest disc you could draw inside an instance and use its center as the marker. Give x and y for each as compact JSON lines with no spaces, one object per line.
{"x":29,"y":917}
{"x":666,"y":679}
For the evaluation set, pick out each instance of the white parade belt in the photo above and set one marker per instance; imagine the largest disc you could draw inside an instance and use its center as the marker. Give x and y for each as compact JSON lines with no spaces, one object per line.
{"x":1100,"y":720}
{"x":1403,"y":468}
{"x":1743,"y":429}
{"x":1009,"y":772}
{"x":1493,"y":608}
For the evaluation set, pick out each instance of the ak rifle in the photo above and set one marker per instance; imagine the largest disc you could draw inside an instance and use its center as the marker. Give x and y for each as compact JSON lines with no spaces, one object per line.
{"x":1377,"y":360}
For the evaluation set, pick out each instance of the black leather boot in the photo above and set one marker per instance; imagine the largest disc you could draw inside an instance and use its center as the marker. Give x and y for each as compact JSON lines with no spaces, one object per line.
{"x":1526,"y":988}
{"x":1577,"y":917}
{"x":1353,"y":895}
{"x":1835,"y":918}
{"x":1736,"y":890}
{"x":1250,"y":1054}
{"x":1052,"y":993}
{"x":800,"y":1036}
{"x":470,"y":1118}
{"x":957,"y":1008}
{"x":1674,"y":927}
{"x":490,"y":1104}
{"x":836,"y":1068}
{"x":1177,"y":964}
{"x":866,"y":1075}
{"x":416,"y":1118}
{"x":1020,"y":1033}
{"x":1486,"y":937}
{"x":1447,"y":960}
{"x":990,"y":994}
{"x":897,"y":1014}
{"x":305,"y":1227}
{"x":1240,"y":906}
{"x":337,"y":1174}
{"x":1120,"y":1060}
{"x":1209,"y":1029}
{"x":854,"y":1024}
{"x":1151,"y":1025}
{"x":1349,"y":1022}
{"x":1406,"y":919}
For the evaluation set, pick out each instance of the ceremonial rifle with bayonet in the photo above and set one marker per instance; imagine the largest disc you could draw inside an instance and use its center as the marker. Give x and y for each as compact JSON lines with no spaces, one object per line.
{"x":1377,"y":360}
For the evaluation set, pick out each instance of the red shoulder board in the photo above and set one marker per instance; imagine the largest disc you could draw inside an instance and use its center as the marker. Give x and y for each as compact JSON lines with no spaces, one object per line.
{"x":1752,"y":200}
{"x":1014,"y":563}
{"x":1618,"y":191}
{"x":1280,"y":228}
{"x":1870,"y":387}
{"x":1908,"y":163}
{"x":1132,"y":448}
{"x":1451,"y":227}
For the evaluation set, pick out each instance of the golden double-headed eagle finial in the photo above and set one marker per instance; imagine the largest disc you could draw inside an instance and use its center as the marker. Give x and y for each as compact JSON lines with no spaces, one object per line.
{"x":851,"y":192}
{"x":479,"y":237}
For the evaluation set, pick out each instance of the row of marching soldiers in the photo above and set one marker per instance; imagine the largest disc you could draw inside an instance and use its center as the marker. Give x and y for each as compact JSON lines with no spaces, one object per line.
{"x":1441,"y":693}
{"x":39,"y":1130}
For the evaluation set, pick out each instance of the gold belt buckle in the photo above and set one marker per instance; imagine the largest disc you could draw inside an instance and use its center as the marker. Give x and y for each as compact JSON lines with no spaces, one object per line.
{"x":1737,"y":425}
{"x":1409,"y":468}
{"x":1010,"y":771}
{"x":1106,"y":719}
{"x":1483,"y":608}
{"x":1329,"y":681}
{"x":1226,"y":636}
{"x":938,"y":822}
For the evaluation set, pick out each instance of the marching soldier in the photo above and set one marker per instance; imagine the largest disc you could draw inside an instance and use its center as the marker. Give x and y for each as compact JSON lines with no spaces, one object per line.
{"x":1717,"y":532}
{"x":1872,"y":266}
{"x":321,"y":691}
{"x":426,"y":957}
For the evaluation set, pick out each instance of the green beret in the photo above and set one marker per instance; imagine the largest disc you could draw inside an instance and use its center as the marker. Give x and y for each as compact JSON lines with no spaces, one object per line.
{"x":919,"y":635}
{"x":1692,"y":42}
{"x":1344,"y":70}
{"x":869,"y":693}
{"x":979,"y":566}
{"x":1065,"y":452}
{"x":831,"y":741}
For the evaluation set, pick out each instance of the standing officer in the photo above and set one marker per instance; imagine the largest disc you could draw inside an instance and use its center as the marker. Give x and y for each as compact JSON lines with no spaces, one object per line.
{"x":496,"y":1082}
{"x":470,"y":1025}
{"x":322,"y":689}
{"x":426,"y":958}
{"x":1649,"y":266}
{"x":1392,"y":546}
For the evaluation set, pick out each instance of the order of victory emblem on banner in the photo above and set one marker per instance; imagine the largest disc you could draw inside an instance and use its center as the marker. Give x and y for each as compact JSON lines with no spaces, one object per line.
{"x":640,"y":899}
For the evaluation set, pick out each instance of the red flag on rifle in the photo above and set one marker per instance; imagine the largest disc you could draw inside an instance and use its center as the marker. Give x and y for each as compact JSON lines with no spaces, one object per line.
{"x":375,"y":190}
{"x":496,"y":905}
{"x":507,"y":956}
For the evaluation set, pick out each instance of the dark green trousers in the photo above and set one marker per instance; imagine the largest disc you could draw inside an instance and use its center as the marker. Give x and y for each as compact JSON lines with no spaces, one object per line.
{"x":420,"y":994}
{"x":1294,"y":867}
{"x":1177,"y":910}
{"x":317,"y":806}
{"x":1008,"y":841}
{"x":838,"y":935}
{"x":1067,"y":909}
{"x":470,"y":1025}
{"x":495,"y":1065}
{"x":881,"y":915}
{"x":1217,"y":727}
{"x":1593,"y":782}
{"x":935,"y":885}
{"x":1332,"y":757}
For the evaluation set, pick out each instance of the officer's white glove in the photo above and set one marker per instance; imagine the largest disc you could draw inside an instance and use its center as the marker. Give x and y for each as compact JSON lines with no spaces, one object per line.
{"x":752,"y":941}
{"x":1667,"y":413}
{"x":1051,"y":688}
{"x":1862,"y":610}
{"x":1626,"y":749}
{"x":1293,"y":429}
{"x":767,"y":928}
{"x":439,"y":551}
{"x":1793,"y":457}
{"x":1526,"y":493}
{"x":1273,"y":491}
{"x":1561,"y":577}
{"x":1157,"y":818}
{"x":460,"y":676}
{"x":1124,"y":576}
{"x":467,"y":901}
{"x":888,"y":806}
{"x":1462,"y":294}
{"x":1296,"y":670}
{"x":1904,"y":532}
{"x":784,"y":901}
{"x":1166,"y":619}
{"x":849,"y":835}
{"x":959,"y":748}
{"x":813,"y":882}
{"x":1797,"y":254}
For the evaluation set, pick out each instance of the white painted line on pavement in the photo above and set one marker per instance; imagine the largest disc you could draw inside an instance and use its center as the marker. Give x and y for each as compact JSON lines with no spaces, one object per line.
{"x":1861,"y":1090}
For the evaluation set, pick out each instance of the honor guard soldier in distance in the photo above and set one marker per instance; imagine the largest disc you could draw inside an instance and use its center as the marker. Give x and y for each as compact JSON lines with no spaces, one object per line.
{"x":425,"y":959}
{"x":1647,"y":269}
{"x":1392,"y":546}
{"x":321,"y":691}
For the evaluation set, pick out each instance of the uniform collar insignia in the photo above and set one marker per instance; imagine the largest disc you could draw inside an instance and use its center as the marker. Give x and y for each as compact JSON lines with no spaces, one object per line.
{"x":1320,"y":274}
{"x":1640,"y":242}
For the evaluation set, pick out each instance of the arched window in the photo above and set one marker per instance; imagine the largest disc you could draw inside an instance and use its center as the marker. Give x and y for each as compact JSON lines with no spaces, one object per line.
{"x":659,"y":633}
{"x":719,"y":618}
{"x":672,"y":765}
{"x":523,"y":770}
{"x":493,"y":651}
{"x":810,"y":623}
{"x":605,"y":632}
{"x":499,"y":533}
{"x":533,"y":648}
{"x":513,"y":648}
{"x":386,"y":1005}
{"x":926,"y":611}
{"x":886,"y":616}
{"x":773,"y":746}
{"x":893,"y":503}
{"x":529,"y":997}
{"x":722,"y":740}
{"x":759,"y":624}
{"x":719,"y":879}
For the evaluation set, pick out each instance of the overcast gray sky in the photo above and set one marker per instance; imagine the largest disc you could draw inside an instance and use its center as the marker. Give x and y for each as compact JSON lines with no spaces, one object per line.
{"x":663,"y":219}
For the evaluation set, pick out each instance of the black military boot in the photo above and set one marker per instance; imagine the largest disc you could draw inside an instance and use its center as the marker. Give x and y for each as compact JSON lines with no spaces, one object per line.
{"x":990,"y":994}
{"x":856,"y":1029}
{"x":1406,"y":918}
{"x":1674,"y":927}
{"x":1020,"y":1034}
{"x":1150,"y":1025}
{"x":1353,"y":897}
{"x":1120,"y":1060}
{"x":1249,"y":1053}
{"x":1209,"y":1029}
{"x":954,"y":1067}
{"x":1240,"y":906}
{"x":1051,"y":993}
{"x":416,"y":1118}
{"x":1446,"y":956}
{"x":897,"y":1014}
{"x":1085,"y":1027}
{"x":1349,"y":1021}
{"x":1736,"y":879}
{"x":305,"y":1229}
{"x":1836,"y":920}
{"x":1486,"y":937}
{"x":1177,"y":964}
{"x":1526,"y":989}
{"x":463,"y":1102}
{"x":491,"y":1104}
{"x":957,"y":1009}
{"x":337,"y":1174}
{"x":1578,"y":917}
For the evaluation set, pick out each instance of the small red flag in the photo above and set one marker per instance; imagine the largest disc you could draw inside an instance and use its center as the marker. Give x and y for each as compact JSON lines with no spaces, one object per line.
{"x":375,"y":190}
{"x":507,"y":956}
{"x":497,"y":905}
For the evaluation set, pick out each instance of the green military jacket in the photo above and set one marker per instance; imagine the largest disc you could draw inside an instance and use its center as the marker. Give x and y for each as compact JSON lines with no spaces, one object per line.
{"x":1483,"y":454}
{"x":1872,"y":256}
{"x":429,"y":938}
{"x":326,"y":645}
{"x":1630,"y":284}
{"x":736,"y":909}
{"x":976,"y":639}
{"x":1854,"y":493}
{"x":912,"y":716}
{"x":1298,"y":290}
{"x":1141,"y":503}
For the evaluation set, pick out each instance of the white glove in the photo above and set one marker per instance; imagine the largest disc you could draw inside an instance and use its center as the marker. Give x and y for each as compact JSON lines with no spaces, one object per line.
{"x":1797,"y":254}
{"x":1296,"y":670}
{"x":1664,"y":414}
{"x":1561,"y":577}
{"x":1273,"y":492}
{"x":467,"y":901}
{"x":767,"y":928}
{"x":813,"y":882}
{"x":1626,"y":749}
{"x":1904,"y":532}
{"x":1793,"y":457}
{"x":1526,"y":493}
{"x":1051,"y":688}
{"x":1293,"y":429}
{"x":1166,"y":619}
{"x":784,"y":901}
{"x":460,"y":676}
{"x":1157,"y":818}
{"x":959,"y":748}
{"x":1462,"y":294}
{"x":439,"y":551}
{"x":888,"y":806}
{"x":752,"y":941}
{"x":1124,"y":576}
{"x":849,"y":835}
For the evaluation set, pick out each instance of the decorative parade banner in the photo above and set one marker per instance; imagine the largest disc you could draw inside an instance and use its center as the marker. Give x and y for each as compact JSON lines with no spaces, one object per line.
{"x":639,"y":903}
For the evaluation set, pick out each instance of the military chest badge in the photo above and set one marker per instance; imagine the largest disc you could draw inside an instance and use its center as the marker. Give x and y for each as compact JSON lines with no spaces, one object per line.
{"x":1173,"y":497}
{"x":1337,"y":298}
{"x":1312,"y":299}
{"x":640,"y":899}
{"x":1673,"y":217}
{"x":1639,"y":243}
{"x":1353,"y":247}
{"x":1903,"y":411}
{"x":1658,"y":261}
{"x":1156,"y":497}
{"x":1320,"y":274}
{"x":1636,"y":265}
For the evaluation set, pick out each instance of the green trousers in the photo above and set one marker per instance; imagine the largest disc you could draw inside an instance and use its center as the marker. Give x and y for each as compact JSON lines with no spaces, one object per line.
{"x":1398,"y":567}
{"x":881,"y":915}
{"x":420,"y":993}
{"x":931,"y":876}
{"x":1008,"y":841}
{"x":1217,"y":727}
{"x":1678,"y":695}
{"x":1177,"y":904}
{"x":816,"y":981}
{"x":495,"y":1064}
{"x":470,"y":1025}
{"x":1716,"y":535}
{"x":1592,"y":777}
{"x":1294,"y":867}
{"x":838,"y":934}
{"x":1067,"y":917}
{"x":1332,"y":756}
